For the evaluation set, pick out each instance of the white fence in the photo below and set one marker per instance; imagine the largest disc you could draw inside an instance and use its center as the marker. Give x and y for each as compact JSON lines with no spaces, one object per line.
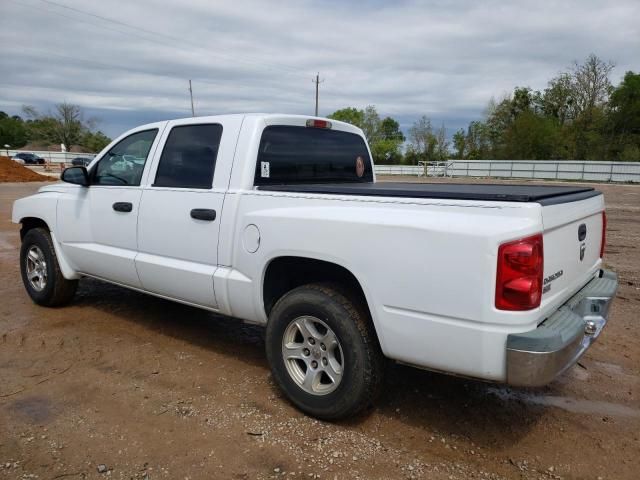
{"x":522,"y":169}
{"x":519,"y":169}
{"x":52,"y":157}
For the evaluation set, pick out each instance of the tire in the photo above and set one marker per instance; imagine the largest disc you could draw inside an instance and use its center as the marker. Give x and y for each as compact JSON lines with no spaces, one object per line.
{"x":47,"y":286}
{"x":347,"y":377}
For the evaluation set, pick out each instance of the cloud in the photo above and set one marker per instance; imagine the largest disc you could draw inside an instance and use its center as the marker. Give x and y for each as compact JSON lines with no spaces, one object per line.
{"x":445,"y":59}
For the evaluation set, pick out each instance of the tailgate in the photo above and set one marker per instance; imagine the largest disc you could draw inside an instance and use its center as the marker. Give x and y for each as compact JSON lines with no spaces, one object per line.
{"x":572,"y":239}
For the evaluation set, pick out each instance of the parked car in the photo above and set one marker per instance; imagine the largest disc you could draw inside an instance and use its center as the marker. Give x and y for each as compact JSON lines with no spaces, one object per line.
{"x":29,"y":158}
{"x":278,"y":220}
{"x":80,"y":161}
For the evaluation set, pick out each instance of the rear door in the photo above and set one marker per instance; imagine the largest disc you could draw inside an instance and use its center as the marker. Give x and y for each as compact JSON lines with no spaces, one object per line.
{"x":181,"y":208}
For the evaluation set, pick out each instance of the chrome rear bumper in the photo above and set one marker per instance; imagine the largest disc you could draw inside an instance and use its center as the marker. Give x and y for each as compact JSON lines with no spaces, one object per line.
{"x":536,"y":357}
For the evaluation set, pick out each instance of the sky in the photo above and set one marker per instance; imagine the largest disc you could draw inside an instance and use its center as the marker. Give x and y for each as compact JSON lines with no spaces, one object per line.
{"x":128,"y":63}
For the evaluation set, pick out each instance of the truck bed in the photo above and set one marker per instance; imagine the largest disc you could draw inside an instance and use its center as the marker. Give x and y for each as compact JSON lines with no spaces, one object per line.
{"x":542,"y":194}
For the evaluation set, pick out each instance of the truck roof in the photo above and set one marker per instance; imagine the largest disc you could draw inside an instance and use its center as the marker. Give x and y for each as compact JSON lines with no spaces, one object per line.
{"x":268,"y":117}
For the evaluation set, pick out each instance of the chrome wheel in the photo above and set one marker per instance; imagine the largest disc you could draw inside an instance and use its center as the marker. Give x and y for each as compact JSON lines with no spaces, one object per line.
{"x":36,"y":268}
{"x":312,"y":355}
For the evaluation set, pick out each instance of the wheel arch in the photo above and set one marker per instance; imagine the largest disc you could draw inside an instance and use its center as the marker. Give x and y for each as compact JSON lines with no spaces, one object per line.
{"x":284,"y":273}
{"x":29,"y":223}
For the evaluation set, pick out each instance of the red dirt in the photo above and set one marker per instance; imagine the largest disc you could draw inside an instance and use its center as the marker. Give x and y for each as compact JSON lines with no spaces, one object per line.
{"x":11,"y":171}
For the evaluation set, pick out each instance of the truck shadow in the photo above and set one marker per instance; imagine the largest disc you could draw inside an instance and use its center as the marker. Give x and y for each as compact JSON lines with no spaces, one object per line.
{"x":433,"y":404}
{"x":444,"y":405}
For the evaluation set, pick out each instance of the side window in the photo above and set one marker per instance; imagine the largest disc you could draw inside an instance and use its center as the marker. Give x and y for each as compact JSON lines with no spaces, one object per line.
{"x":124,"y":163}
{"x":189,"y":157}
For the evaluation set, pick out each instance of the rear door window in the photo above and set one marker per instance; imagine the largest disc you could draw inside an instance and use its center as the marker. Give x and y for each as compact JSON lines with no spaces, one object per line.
{"x":291,"y":154}
{"x":189,"y":157}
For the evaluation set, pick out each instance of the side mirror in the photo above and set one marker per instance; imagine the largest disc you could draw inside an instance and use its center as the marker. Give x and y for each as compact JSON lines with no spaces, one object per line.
{"x":76,"y":175}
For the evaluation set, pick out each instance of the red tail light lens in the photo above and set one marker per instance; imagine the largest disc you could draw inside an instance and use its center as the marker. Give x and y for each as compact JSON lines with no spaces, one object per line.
{"x":318,"y":123}
{"x":519,"y":274}
{"x":604,"y":233}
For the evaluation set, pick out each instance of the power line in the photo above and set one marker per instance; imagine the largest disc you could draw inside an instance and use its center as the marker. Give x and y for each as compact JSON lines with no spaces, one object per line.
{"x":109,"y":66}
{"x":119,"y":67}
{"x":76,"y":19}
{"x":137,"y":28}
{"x":146,"y":38}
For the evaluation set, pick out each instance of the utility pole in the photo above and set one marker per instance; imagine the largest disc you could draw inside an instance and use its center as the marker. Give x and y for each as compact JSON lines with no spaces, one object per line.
{"x":317,"y":81}
{"x":193,"y":113}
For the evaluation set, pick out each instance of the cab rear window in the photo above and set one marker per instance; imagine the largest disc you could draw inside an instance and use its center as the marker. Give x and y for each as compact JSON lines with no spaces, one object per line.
{"x":290,"y":154}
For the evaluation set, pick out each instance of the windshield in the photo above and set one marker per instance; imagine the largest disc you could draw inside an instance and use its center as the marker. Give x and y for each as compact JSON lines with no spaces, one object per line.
{"x":289,"y":154}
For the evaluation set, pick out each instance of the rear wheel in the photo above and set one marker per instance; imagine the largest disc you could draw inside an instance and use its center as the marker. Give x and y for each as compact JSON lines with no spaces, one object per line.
{"x":41,"y":273}
{"x":323,"y":352}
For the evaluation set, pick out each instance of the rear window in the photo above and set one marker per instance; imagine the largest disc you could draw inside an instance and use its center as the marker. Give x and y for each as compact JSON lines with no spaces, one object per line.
{"x":291,"y":154}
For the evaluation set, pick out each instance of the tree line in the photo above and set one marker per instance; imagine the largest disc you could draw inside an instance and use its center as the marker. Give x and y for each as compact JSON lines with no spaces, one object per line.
{"x":580,"y":115}
{"x":65,"y":124}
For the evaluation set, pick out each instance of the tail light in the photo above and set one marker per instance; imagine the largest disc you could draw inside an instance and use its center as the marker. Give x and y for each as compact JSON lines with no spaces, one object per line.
{"x":519,"y":274}
{"x":603,"y":241}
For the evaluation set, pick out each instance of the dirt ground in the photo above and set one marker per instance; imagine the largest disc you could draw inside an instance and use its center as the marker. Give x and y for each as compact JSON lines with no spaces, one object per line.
{"x":11,"y":171}
{"x":129,"y":386}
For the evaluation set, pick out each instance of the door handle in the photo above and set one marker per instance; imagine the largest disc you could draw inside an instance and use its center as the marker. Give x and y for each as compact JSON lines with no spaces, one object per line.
{"x":203,"y":214}
{"x":123,"y":206}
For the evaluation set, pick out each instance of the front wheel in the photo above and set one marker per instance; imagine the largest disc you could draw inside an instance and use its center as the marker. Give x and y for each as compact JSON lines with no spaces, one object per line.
{"x":41,"y":273}
{"x":323,"y":352}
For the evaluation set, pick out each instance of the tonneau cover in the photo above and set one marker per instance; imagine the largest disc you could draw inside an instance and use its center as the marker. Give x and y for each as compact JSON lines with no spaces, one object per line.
{"x":542,"y":194}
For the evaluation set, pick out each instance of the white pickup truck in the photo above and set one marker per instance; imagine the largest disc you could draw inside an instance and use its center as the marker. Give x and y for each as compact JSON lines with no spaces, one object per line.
{"x":278,"y":220}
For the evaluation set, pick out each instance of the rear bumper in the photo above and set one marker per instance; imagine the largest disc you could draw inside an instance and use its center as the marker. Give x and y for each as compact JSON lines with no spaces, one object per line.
{"x":536,"y":357}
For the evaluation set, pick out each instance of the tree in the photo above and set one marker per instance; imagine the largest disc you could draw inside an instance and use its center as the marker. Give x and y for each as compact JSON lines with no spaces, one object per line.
{"x":371,"y":123}
{"x":94,"y":141}
{"x":491,"y":135}
{"x":368,"y":119}
{"x":424,"y":144}
{"x":625,"y":117}
{"x":558,"y":100}
{"x":349,"y":115}
{"x":65,"y":125}
{"x":531,"y":137}
{"x":12,"y":131}
{"x":521,"y":101}
{"x":421,"y":138}
{"x":460,"y":144}
{"x":591,"y":84}
{"x":386,"y":151}
{"x":477,"y":141}
{"x":384,"y":136}
{"x":390,"y":130}
{"x":631,"y":153}
{"x":385,"y":146}
{"x":442,"y":144}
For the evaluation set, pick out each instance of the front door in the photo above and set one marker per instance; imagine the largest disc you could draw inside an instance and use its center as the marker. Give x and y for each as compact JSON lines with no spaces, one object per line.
{"x":97,"y":225}
{"x":179,"y":218}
